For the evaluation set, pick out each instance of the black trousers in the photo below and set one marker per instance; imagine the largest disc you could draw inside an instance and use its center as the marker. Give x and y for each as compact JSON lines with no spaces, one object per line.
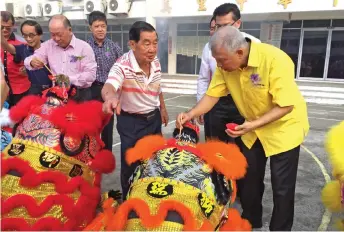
{"x":13,"y":99}
{"x":107,"y":133}
{"x":283,"y":180}
{"x":37,"y":89}
{"x":131,"y":128}
{"x":225,"y":111}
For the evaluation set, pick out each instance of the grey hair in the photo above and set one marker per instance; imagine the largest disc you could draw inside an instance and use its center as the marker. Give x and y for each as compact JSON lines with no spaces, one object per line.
{"x":227,"y":37}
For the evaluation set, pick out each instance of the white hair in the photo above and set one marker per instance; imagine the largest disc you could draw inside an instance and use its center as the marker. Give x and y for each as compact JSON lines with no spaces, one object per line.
{"x":227,"y":37}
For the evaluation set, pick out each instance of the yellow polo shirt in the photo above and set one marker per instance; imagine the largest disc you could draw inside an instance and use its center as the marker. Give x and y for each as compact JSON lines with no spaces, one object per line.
{"x":267,"y":81}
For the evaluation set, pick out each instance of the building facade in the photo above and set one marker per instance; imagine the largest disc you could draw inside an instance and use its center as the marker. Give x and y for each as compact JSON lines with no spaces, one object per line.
{"x":311,"y":32}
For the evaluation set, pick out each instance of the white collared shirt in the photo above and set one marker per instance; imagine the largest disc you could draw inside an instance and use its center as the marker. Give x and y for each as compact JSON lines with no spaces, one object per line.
{"x":208,"y":66}
{"x":139,"y":94}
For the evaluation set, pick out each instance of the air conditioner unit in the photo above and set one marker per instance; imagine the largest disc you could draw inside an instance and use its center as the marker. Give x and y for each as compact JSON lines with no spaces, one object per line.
{"x":51,"y":8}
{"x":33,"y":9}
{"x":18,"y":9}
{"x":117,"y":6}
{"x":94,"y":5}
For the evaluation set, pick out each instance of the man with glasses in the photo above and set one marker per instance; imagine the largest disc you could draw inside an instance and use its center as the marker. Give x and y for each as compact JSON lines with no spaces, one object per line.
{"x":66,"y":55}
{"x":225,"y":110}
{"x":32,"y":33}
{"x":17,"y":82}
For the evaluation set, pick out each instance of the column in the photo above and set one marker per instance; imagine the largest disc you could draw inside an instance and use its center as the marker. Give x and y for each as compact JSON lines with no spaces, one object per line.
{"x":172,"y":55}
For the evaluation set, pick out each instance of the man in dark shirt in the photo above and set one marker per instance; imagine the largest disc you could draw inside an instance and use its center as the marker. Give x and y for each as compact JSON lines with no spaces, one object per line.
{"x":106,"y":52}
{"x":32,"y":33}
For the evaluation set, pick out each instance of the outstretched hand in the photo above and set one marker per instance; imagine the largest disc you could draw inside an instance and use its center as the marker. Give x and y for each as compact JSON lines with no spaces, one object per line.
{"x":110,"y":105}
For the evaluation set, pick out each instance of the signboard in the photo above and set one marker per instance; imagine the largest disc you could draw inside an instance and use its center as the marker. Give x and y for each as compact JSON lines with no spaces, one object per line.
{"x":271,"y":33}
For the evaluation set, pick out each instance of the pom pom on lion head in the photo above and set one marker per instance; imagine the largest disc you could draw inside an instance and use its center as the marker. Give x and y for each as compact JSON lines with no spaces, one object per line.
{"x":333,"y":192}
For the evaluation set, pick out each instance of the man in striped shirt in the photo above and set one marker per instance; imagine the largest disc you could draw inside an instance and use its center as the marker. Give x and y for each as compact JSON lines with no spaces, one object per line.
{"x":134,"y":81}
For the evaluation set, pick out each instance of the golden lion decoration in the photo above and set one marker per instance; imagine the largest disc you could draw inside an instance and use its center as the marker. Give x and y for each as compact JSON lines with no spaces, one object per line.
{"x":180,"y":185}
{"x":333,"y":192}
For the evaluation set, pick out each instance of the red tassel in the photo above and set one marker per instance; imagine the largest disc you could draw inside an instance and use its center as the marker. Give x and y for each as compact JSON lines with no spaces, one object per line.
{"x":76,"y":120}
{"x":104,"y":162}
{"x":24,"y":107}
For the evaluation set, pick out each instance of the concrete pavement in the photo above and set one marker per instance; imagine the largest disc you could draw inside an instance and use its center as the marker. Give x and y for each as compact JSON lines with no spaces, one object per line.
{"x":313,"y":91}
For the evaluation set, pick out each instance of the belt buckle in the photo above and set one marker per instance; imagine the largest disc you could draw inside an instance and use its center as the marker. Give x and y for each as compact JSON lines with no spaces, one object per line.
{"x":149,"y":117}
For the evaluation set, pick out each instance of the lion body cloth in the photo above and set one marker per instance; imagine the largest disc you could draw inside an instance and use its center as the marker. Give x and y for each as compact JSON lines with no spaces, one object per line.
{"x":179,"y":185}
{"x":333,"y":192}
{"x":51,"y":170}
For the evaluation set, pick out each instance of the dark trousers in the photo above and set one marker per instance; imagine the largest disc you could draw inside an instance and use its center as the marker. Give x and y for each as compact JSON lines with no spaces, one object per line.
{"x":13,"y":99}
{"x":107,"y":133}
{"x":131,"y":128}
{"x":37,"y":89}
{"x":216,"y":119}
{"x":283,"y":180}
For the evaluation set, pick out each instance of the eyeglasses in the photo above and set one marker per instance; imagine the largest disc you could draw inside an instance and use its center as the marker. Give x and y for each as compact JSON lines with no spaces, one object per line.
{"x":30,"y":36}
{"x":8,"y":28}
{"x":217,"y":26}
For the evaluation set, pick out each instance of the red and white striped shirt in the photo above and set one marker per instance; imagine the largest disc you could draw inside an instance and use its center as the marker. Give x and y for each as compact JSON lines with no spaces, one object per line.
{"x":139,"y":94}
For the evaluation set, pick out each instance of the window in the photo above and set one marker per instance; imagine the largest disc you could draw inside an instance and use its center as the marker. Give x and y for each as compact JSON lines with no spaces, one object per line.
{"x":290,"y":44}
{"x":162,"y":29}
{"x":191,"y":39}
{"x":336,"y":62}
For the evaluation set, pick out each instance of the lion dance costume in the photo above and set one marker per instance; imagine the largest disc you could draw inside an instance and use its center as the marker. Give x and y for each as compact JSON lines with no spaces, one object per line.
{"x":179,"y":185}
{"x":51,"y":170}
{"x":333,"y":192}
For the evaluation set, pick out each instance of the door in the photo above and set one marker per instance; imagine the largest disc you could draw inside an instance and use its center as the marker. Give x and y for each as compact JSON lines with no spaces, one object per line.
{"x":335,"y":69}
{"x":314,"y":52}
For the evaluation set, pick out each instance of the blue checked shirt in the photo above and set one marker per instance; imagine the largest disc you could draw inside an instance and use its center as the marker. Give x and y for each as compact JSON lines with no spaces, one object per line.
{"x":106,"y":56}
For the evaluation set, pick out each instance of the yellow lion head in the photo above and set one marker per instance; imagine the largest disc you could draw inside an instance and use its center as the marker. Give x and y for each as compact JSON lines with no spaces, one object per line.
{"x":332,"y":193}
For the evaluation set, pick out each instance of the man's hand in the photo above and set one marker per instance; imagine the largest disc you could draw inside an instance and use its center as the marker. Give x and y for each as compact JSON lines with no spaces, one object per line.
{"x":109,"y":105}
{"x":36,"y":63}
{"x":200,"y":119}
{"x":22,"y":70}
{"x":164,"y":116}
{"x":182,"y":118}
{"x":241,"y":129}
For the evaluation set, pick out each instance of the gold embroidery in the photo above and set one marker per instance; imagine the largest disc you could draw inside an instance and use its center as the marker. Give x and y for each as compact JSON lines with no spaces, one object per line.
{"x":206,"y":204}
{"x":284,"y":3}
{"x":158,"y":189}
{"x":201,"y":5}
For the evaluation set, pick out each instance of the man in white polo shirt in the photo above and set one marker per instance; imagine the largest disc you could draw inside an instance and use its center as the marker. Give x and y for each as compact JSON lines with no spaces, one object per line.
{"x":225,"y":110}
{"x":134,"y":81}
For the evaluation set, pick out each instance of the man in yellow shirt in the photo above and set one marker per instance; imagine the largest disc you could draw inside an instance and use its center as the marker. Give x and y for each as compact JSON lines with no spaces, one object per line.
{"x":260,"y":78}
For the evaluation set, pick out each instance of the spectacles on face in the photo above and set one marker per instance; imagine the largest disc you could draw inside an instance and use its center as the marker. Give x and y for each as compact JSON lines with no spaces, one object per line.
{"x":7,"y":28}
{"x":217,"y":26}
{"x":30,"y":36}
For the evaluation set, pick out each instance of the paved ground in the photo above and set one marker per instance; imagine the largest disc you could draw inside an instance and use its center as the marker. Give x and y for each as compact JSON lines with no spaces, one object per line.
{"x":309,"y":212}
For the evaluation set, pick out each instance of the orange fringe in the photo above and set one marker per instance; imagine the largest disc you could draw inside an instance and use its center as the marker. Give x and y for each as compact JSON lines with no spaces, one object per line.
{"x":144,"y":148}
{"x":225,"y":158}
{"x":102,"y":219}
{"x":149,"y":221}
{"x":235,"y":222}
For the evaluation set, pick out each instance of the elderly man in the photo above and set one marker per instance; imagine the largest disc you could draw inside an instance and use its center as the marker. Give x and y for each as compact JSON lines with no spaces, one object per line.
{"x":17,"y":82}
{"x":66,"y":55}
{"x":225,"y":110}
{"x":137,"y":75}
{"x":260,"y":78}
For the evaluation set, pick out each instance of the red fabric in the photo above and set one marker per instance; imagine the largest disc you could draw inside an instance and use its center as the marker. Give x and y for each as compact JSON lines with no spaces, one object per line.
{"x":19,"y":83}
